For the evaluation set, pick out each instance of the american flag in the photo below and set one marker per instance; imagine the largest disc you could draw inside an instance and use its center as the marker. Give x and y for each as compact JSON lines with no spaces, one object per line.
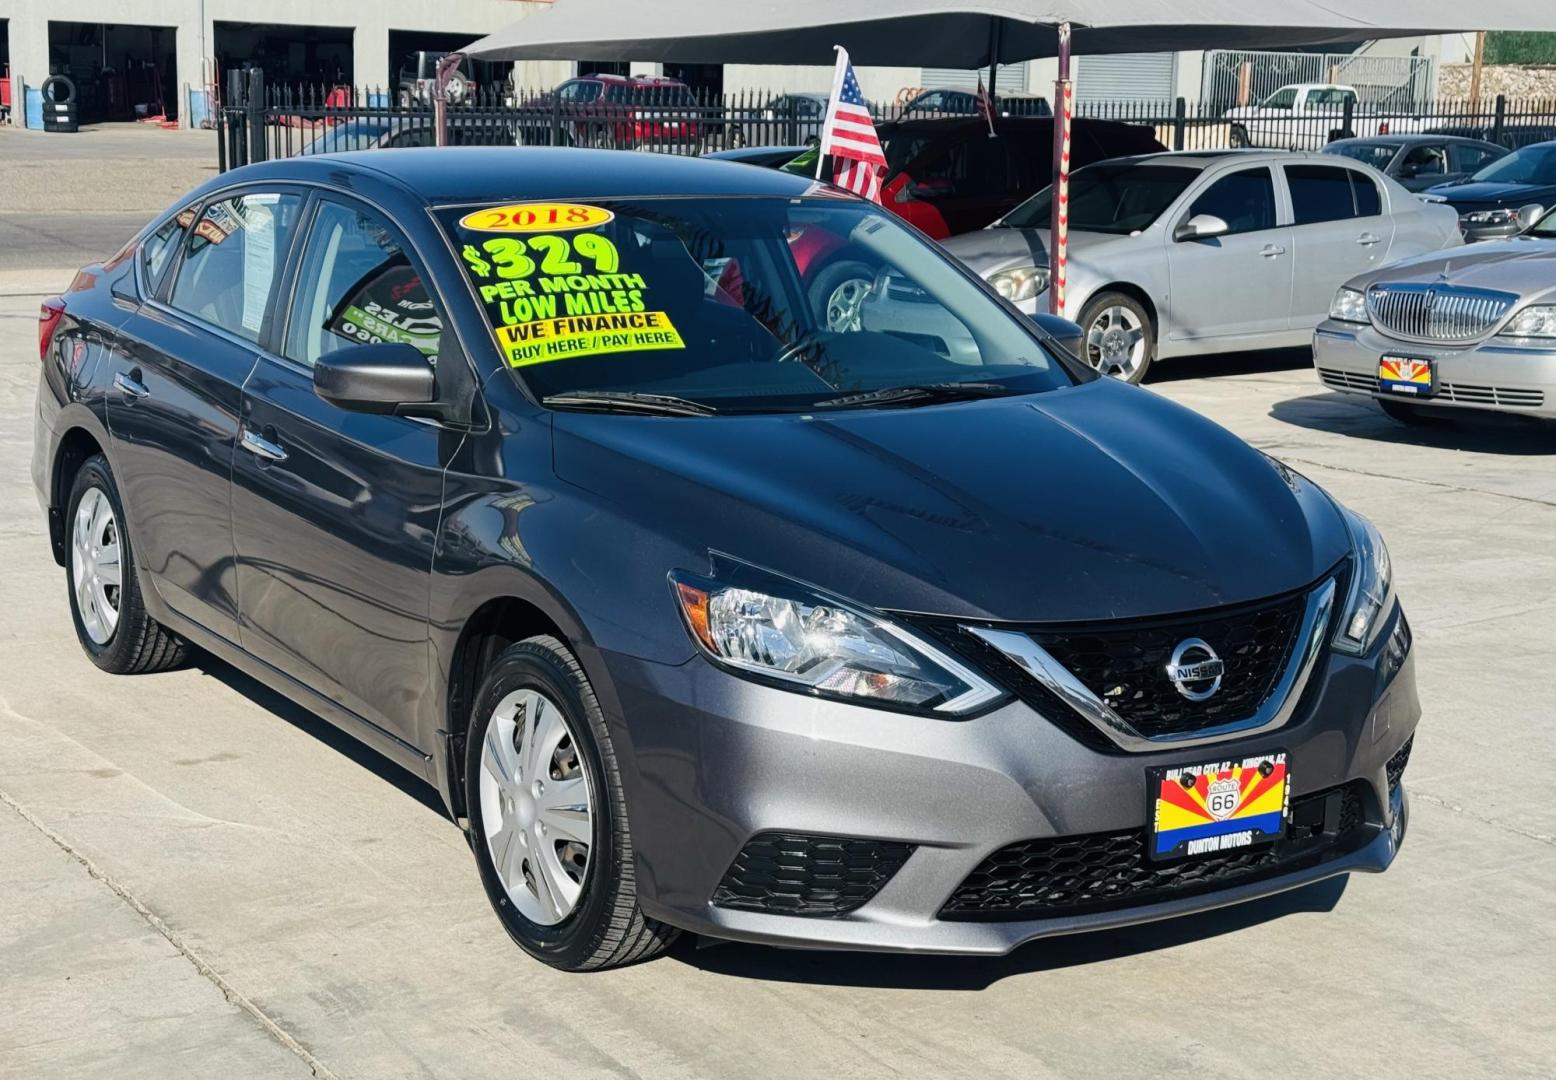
{"x":849,"y":135}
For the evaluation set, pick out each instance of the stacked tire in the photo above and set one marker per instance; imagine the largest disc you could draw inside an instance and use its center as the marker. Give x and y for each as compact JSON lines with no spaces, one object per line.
{"x":59,"y":105}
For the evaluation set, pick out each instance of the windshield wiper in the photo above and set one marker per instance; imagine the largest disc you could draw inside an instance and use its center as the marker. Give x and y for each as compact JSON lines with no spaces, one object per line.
{"x":628,"y":401}
{"x":924,"y":393}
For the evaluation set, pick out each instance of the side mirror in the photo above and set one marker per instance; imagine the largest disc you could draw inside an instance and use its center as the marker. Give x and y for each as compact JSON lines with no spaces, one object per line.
{"x":391,"y":378}
{"x":1065,"y":333}
{"x":1409,"y":169}
{"x":1201,"y":227}
{"x":1528,"y":215}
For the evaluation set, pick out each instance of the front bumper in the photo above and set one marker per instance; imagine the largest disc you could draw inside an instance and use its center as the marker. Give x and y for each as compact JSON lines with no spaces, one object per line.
{"x":716,"y":760}
{"x":1489,"y":375}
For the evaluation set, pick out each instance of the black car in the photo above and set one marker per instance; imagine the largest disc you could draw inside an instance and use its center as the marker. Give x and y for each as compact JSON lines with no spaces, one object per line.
{"x":965,"y":103}
{"x":1418,"y":162}
{"x":538,"y":472}
{"x":1489,"y":201}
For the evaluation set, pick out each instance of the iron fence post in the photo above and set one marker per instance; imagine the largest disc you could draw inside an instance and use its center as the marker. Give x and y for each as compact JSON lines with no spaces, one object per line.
{"x":1180,"y":114}
{"x":556,"y":119}
{"x":255,"y":101}
{"x":1499,"y":121}
{"x":1346,"y":130}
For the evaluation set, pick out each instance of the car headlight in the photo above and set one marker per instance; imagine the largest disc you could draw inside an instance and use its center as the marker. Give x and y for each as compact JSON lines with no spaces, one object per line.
{"x":1020,"y":282}
{"x":1537,"y":320}
{"x":1349,"y":305}
{"x":1371,"y":593}
{"x":1491,"y":217}
{"x":773,"y":629}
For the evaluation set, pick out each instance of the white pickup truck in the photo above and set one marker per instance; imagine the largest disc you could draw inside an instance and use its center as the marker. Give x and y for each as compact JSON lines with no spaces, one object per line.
{"x":1305,"y":116}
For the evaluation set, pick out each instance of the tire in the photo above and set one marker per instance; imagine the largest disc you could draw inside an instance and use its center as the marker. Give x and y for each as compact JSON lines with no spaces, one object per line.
{"x":532,"y":688}
{"x":1410,"y":414}
{"x":834,"y":294}
{"x":134,"y":643}
{"x":1110,"y":312}
{"x":1238,"y":139}
{"x":52,"y":86}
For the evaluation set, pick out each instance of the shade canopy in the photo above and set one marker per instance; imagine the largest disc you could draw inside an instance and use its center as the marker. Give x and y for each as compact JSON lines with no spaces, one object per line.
{"x":960,"y":33}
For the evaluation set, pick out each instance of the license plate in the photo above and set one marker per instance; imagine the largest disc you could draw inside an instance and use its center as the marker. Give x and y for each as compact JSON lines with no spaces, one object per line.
{"x":1409,"y":375}
{"x":1218,"y":806}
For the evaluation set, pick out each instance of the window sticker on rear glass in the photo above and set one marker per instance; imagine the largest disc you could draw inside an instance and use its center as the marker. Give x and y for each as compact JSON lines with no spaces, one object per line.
{"x":554,"y":288}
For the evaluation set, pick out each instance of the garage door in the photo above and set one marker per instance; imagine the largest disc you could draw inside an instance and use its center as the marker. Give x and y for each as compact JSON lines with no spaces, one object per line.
{"x":1010,"y":79}
{"x":1131,"y":77}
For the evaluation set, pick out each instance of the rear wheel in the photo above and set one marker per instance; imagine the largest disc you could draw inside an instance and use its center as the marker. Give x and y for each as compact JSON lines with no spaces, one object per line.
{"x":548,"y":820}
{"x":1119,"y":339}
{"x":1238,"y":139}
{"x":1405,"y":412}
{"x":105,"y":597}
{"x":838,"y":292}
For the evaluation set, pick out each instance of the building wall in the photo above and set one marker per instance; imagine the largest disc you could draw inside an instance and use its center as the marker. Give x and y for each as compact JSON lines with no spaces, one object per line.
{"x":372,"y":20}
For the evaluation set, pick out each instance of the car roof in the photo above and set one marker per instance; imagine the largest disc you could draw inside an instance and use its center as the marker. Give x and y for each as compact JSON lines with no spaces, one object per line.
{"x":474,"y":174}
{"x":1406,"y":139}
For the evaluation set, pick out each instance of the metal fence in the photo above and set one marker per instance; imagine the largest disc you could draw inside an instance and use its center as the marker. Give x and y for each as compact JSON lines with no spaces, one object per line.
{"x":256,"y":123}
{"x":1233,"y":77}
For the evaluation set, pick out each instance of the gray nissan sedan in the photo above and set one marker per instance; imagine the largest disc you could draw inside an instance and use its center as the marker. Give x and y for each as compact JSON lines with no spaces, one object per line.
{"x":1469,"y":329}
{"x":541,"y":472}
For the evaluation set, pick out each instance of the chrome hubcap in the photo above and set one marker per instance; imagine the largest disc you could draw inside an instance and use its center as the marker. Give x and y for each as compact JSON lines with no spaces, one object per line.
{"x":95,"y":570}
{"x":536,"y":808}
{"x":1115,"y":343}
{"x":844,"y":304}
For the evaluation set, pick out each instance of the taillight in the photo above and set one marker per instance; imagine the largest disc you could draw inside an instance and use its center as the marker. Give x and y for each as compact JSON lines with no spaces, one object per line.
{"x":1383,"y":128}
{"x":49,"y":313}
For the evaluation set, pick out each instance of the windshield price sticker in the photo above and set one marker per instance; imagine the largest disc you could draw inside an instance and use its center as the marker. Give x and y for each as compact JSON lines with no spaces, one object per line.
{"x":554,"y":295}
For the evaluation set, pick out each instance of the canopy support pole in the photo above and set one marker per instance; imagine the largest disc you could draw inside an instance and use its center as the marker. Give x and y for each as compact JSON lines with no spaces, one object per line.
{"x":1059,"y":223}
{"x":996,"y":26}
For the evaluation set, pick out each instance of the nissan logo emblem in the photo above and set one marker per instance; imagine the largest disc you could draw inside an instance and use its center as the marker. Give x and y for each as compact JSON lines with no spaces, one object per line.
{"x":1195,"y":669}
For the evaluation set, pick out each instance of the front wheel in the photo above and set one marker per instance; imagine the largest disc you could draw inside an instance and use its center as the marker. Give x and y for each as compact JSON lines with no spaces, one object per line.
{"x":1239,"y":138}
{"x":838,"y":292}
{"x":1119,"y":339}
{"x":548,"y":821}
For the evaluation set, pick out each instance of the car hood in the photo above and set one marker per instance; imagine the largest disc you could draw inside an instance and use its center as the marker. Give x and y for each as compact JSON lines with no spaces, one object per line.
{"x":1487,"y":193}
{"x":996,"y":248}
{"x":1523,"y":265}
{"x":1100,"y":501}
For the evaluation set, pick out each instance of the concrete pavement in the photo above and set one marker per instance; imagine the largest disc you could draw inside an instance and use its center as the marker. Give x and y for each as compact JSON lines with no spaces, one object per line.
{"x":200,"y":879}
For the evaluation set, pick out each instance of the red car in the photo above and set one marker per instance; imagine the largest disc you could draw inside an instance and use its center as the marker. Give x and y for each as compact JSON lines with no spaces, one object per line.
{"x":947,"y":176}
{"x":627,"y":112}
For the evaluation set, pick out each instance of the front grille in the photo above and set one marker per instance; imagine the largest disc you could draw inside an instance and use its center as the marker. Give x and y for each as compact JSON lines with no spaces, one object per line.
{"x":1396,"y":764}
{"x":1436,"y":312}
{"x":797,"y":874}
{"x":1078,"y":874}
{"x":1125,"y":664}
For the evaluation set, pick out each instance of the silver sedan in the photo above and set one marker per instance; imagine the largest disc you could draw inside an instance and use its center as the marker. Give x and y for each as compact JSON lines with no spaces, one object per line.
{"x":1471,"y":329}
{"x":1199,"y":252}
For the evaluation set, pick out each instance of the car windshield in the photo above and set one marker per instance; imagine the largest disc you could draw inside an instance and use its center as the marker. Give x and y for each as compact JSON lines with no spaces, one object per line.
{"x":1531,"y":165}
{"x":1110,"y":197}
{"x":737,"y":304}
{"x":1378,"y":155}
{"x":352,"y":135}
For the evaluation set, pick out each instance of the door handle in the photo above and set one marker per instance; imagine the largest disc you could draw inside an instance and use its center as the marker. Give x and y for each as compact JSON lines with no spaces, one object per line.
{"x":1270,"y":251}
{"x":1366,"y":239}
{"x":130,"y":385}
{"x":261,"y":447}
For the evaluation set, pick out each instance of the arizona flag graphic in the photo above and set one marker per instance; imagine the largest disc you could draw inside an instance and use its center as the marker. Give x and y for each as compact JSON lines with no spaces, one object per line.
{"x":1220,"y":807}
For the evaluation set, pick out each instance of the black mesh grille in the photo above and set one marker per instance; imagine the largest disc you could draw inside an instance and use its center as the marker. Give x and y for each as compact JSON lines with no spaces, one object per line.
{"x":1077,"y":874}
{"x":1396,"y":764}
{"x":1125,"y":664}
{"x":792,"y":874}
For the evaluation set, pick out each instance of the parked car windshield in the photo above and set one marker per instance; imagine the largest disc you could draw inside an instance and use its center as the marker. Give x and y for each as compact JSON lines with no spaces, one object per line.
{"x":1378,"y":155}
{"x":1531,"y":165}
{"x":1109,"y":197}
{"x":738,"y":303}
{"x":352,"y":135}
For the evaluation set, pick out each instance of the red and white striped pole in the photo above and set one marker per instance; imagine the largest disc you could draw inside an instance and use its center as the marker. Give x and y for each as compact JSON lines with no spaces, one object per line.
{"x":1059,"y":225}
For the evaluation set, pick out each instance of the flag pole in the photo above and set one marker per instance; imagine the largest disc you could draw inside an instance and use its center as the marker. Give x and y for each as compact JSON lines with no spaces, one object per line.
{"x":1059,"y":222}
{"x":837,"y":89}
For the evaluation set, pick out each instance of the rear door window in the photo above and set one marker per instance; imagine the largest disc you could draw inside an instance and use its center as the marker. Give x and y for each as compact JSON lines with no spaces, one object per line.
{"x":1364,"y":189}
{"x":1320,"y":193}
{"x":233,"y":258}
{"x":1468,"y":158}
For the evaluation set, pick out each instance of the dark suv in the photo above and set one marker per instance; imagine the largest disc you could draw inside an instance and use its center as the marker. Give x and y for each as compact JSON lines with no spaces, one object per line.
{"x":948,"y":176}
